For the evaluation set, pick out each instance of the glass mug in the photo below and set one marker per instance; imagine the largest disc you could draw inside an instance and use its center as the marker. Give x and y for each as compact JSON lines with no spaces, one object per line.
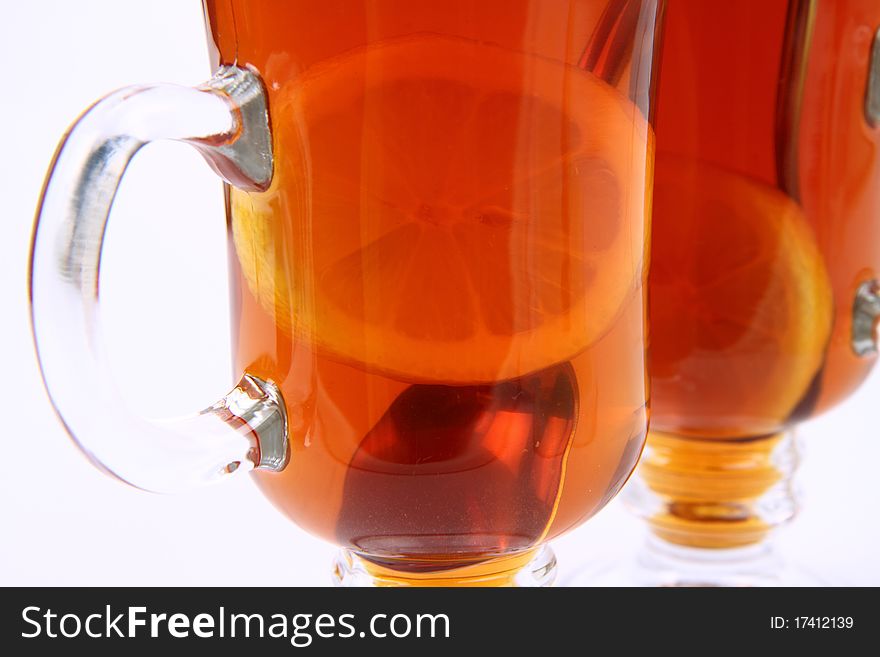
{"x":765,"y":262}
{"x":439,"y":214}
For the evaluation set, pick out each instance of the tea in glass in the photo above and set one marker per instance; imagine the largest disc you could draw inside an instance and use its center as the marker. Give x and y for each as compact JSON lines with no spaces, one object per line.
{"x":765,"y":231}
{"x":449,"y":259}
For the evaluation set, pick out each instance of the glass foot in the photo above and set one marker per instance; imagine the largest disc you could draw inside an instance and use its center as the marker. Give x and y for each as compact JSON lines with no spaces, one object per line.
{"x":660,"y":563}
{"x":531,"y":569}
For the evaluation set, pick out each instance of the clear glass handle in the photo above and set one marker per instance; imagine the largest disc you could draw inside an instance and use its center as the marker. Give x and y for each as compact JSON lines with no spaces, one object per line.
{"x":227,"y":121}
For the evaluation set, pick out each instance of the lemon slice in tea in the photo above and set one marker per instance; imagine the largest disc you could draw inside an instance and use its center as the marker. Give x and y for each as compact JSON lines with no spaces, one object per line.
{"x":741,"y":304}
{"x":444,"y":210}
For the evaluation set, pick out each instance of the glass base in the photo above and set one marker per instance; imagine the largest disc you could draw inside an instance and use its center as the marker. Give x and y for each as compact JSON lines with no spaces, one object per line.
{"x":531,"y":569}
{"x":660,"y":563}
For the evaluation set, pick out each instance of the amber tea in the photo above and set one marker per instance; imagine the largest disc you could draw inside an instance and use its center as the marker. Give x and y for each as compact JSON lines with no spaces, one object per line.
{"x":448,"y":260}
{"x":765,"y":228}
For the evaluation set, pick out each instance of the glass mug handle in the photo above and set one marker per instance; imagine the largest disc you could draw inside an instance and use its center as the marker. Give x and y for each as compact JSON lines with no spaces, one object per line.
{"x":226,"y":120}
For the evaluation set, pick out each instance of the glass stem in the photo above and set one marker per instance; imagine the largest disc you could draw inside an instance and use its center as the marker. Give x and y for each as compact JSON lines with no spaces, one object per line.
{"x":714,"y":494}
{"x":533,"y":568}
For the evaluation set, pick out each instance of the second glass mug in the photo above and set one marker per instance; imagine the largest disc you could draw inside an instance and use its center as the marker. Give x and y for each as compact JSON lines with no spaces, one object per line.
{"x":764,"y":280}
{"x":439,"y":218}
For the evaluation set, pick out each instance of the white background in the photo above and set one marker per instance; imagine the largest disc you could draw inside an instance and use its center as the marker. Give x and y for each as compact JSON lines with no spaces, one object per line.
{"x":61,"y":521}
